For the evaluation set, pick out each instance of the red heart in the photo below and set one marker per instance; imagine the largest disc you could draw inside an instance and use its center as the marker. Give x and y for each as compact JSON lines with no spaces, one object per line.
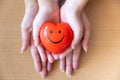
{"x":56,"y":37}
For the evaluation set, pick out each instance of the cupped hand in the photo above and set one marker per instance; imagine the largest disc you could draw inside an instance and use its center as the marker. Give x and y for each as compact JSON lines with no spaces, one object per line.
{"x":48,"y":11}
{"x":70,"y":13}
{"x":73,"y":15}
{"x":71,"y":61}
{"x":41,"y":66}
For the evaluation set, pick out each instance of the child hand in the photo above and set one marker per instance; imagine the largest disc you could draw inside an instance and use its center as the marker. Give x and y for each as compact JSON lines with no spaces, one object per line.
{"x":71,"y":12}
{"x":48,"y":11}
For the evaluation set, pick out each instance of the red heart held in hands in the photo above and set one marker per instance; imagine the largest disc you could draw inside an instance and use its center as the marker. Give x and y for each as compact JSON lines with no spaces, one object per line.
{"x":56,"y":37}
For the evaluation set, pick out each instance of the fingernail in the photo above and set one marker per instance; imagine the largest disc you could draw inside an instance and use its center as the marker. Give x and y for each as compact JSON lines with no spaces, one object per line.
{"x":73,"y":47}
{"x":38,"y":69}
{"x":51,"y":61}
{"x":60,"y":57}
{"x":35,"y":44}
{"x":75,"y":68}
{"x":62,"y":70}
{"x":56,"y":58}
{"x":22,"y":50}
{"x":69,"y":75}
{"x":85,"y":48}
{"x":43,"y":77}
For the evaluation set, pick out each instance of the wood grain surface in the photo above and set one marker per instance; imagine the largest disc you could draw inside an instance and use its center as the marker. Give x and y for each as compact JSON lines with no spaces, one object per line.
{"x":102,"y":62}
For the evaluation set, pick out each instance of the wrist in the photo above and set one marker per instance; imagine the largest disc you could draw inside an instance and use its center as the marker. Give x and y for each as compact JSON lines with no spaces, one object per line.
{"x":76,"y":5}
{"x":47,"y":2}
{"x":30,"y":3}
{"x":48,"y":5}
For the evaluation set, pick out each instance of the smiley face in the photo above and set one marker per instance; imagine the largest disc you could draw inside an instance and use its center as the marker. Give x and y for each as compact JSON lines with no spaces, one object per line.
{"x":59,"y":32}
{"x":56,"y":37}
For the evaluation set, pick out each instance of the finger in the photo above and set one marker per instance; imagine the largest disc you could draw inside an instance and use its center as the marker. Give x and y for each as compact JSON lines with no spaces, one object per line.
{"x":62,"y":64}
{"x":76,"y":57}
{"x":37,"y":23}
{"x":49,"y":56}
{"x":25,"y":30}
{"x":36,"y":57}
{"x":25,"y":39}
{"x":69,"y":64}
{"x":42,"y":52}
{"x":49,"y":66}
{"x":66,"y":52}
{"x":56,"y":56}
{"x":86,"y":31}
{"x":44,"y":70}
{"x":78,"y":30}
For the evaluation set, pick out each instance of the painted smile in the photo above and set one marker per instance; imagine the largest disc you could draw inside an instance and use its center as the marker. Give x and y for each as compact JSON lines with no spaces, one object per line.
{"x":56,"y":42}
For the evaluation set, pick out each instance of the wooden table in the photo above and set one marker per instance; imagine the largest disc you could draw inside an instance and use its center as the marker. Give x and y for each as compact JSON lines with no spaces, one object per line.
{"x":102,"y":62}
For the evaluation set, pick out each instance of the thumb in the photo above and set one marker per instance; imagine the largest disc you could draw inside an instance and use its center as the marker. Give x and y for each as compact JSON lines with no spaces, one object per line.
{"x":43,"y":16}
{"x":77,"y":27}
{"x":25,"y":39}
{"x":37,"y":23}
{"x":86,"y":33}
{"x":26,"y":25}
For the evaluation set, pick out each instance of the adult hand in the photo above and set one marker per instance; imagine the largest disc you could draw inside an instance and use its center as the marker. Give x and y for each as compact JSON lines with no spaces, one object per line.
{"x":31,"y":9}
{"x":72,"y":13}
{"x":71,"y":61}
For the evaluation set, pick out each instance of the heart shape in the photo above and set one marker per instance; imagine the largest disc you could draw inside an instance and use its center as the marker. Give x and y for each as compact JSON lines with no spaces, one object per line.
{"x":56,"y":37}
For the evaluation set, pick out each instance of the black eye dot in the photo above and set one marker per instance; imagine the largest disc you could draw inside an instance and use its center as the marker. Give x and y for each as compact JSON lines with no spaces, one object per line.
{"x":51,"y":31}
{"x":59,"y":32}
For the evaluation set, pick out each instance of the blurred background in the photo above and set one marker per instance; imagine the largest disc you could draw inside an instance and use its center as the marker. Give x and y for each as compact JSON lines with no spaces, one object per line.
{"x":102,"y":62}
